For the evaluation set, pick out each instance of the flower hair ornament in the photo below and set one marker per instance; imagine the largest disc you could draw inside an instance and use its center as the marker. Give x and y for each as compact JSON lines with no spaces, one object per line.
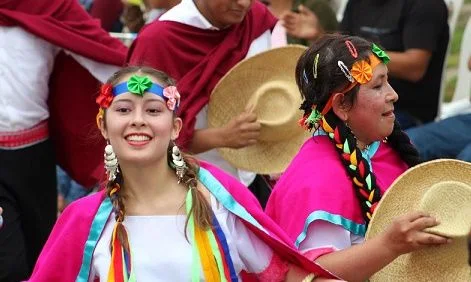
{"x":137,"y":85}
{"x":360,"y":73}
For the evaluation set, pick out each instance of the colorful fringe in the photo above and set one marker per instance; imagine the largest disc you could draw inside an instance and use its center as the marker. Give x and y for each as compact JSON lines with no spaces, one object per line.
{"x":120,"y":267}
{"x":211,"y":248}
{"x":210,"y":252}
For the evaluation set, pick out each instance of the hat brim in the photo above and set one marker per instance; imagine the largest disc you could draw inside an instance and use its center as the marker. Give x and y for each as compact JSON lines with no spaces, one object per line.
{"x":230,"y":96}
{"x":444,"y":263}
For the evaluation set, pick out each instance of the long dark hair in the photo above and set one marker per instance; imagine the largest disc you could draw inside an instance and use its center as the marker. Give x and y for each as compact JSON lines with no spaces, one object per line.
{"x":317,"y":91}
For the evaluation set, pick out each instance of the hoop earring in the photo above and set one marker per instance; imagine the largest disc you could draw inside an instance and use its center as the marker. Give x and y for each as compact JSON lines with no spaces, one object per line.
{"x":111,"y":162}
{"x":178,"y":163}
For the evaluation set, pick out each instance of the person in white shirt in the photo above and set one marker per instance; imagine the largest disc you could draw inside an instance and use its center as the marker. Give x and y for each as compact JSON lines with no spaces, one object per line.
{"x":197,"y":42}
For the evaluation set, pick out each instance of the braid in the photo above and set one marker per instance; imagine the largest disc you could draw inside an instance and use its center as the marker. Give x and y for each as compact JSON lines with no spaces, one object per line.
{"x":357,"y":167}
{"x":400,"y":142}
{"x":114,"y":191}
{"x":201,"y":209}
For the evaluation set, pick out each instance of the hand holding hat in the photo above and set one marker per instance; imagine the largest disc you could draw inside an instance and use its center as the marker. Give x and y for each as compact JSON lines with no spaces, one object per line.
{"x":242,"y":130}
{"x":438,"y":189}
{"x":265,"y":84}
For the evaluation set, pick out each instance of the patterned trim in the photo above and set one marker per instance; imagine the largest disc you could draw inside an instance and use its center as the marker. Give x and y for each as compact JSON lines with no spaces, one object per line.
{"x":24,"y":138}
{"x":367,"y":154}
{"x":355,"y":228}
{"x":98,"y":225}
{"x":225,"y":198}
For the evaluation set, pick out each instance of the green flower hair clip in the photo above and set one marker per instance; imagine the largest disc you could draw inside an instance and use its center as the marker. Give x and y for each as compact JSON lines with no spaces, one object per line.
{"x":314,"y":117}
{"x":380,"y":53}
{"x":139,"y":84}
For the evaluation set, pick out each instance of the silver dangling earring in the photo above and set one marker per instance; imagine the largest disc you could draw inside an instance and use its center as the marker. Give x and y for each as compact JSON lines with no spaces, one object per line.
{"x":178,"y":163}
{"x":111,"y":162}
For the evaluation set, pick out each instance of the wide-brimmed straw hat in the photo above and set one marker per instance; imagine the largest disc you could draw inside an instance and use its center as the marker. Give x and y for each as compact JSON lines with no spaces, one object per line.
{"x":266,"y":82}
{"x":441,"y":188}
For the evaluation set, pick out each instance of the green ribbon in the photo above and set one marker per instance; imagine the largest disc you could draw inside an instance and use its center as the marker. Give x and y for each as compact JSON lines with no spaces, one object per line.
{"x":139,"y":84}
{"x":314,"y":117}
{"x":195,"y":264}
{"x":380,"y":53}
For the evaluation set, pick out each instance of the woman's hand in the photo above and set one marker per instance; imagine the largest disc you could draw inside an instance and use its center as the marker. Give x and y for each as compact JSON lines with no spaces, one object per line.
{"x":241,"y":131}
{"x":303,"y":25}
{"x":406,"y":233}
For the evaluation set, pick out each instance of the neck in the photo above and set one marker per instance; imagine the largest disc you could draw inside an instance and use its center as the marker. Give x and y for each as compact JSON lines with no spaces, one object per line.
{"x":170,"y":4}
{"x":277,"y":7}
{"x":144,"y":184}
{"x":363,"y":145}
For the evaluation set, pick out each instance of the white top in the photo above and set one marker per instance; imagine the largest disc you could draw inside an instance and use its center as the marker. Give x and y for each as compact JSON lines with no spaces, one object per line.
{"x":187,"y":13}
{"x":26,"y":63}
{"x":160,"y":251}
{"x":322,"y":234}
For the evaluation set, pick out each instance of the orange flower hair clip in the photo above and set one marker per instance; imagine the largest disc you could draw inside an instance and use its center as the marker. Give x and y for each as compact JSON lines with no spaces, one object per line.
{"x":362,"y":71}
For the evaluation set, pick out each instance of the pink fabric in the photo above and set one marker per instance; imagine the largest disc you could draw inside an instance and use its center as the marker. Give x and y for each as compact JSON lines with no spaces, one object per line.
{"x":317,"y":181}
{"x":315,"y":253}
{"x":61,"y":257}
{"x":276,"y":270}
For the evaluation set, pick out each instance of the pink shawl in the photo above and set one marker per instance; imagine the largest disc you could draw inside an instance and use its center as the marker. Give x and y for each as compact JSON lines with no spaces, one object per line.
{"x":64,"y":256}
{"x":316,"y":187}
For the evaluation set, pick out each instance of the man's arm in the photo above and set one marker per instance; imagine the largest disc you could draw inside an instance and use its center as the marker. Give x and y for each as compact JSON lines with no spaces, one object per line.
{"x":410,"y":65}
{"x":424,"y":25}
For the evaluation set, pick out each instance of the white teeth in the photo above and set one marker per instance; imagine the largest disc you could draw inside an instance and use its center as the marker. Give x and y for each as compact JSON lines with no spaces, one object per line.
{"x":138,"y":138}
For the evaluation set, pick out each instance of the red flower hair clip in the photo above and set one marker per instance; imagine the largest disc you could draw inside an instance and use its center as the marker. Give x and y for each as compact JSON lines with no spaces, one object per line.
{"x":106,"y":96}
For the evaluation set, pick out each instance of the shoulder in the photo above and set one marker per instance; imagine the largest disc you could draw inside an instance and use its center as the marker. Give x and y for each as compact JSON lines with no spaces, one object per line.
{"x":316,"y":164}
{"x":85,"y":207}
{"x":427,"y":8}
{"x":221,"y":184}
{"x":155,"y":29}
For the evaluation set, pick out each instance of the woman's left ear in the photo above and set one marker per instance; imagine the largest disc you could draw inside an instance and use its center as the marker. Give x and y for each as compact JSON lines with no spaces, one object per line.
{"x":177,"y":126}
{"x":339,"y":107}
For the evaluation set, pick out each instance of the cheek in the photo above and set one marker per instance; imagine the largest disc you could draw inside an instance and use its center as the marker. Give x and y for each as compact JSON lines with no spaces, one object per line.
{"x":162,"y":126}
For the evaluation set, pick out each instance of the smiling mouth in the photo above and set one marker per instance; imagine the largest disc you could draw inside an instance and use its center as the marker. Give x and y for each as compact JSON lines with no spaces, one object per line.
{"x":138,"y":138}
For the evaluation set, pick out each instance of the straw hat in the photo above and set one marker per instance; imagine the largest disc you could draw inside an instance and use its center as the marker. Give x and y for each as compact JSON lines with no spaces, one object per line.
{"x":443,"y":189}
{"x":267,"y":83}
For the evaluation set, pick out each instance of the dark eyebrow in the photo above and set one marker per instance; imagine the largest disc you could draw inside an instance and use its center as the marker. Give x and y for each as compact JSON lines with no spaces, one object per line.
{"x":124,"y":100}
{"x":154,"y":100}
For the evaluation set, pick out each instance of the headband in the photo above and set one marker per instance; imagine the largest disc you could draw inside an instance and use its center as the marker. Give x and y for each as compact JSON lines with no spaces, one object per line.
{"x":360,"y":73}
{"x":138,"y":85}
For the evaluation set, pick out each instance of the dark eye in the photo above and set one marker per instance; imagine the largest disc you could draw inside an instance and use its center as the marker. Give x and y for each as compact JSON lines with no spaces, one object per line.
{"x":377,"y":87}
{"x":123,"y":110}
{"x":154,"y":111}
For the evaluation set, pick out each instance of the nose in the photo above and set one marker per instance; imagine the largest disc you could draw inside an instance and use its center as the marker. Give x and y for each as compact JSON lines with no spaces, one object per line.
{"x":138,"y":118}
{"x":391,"y":95}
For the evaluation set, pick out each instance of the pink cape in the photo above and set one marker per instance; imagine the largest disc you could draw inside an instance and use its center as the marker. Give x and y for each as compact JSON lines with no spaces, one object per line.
{"x":64,"y":253}
{"x":316,"y":186}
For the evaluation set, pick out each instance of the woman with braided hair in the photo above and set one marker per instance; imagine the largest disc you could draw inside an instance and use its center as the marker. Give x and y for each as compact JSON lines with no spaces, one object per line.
{"x":163,"y":216}
{"x":326,"y":197}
